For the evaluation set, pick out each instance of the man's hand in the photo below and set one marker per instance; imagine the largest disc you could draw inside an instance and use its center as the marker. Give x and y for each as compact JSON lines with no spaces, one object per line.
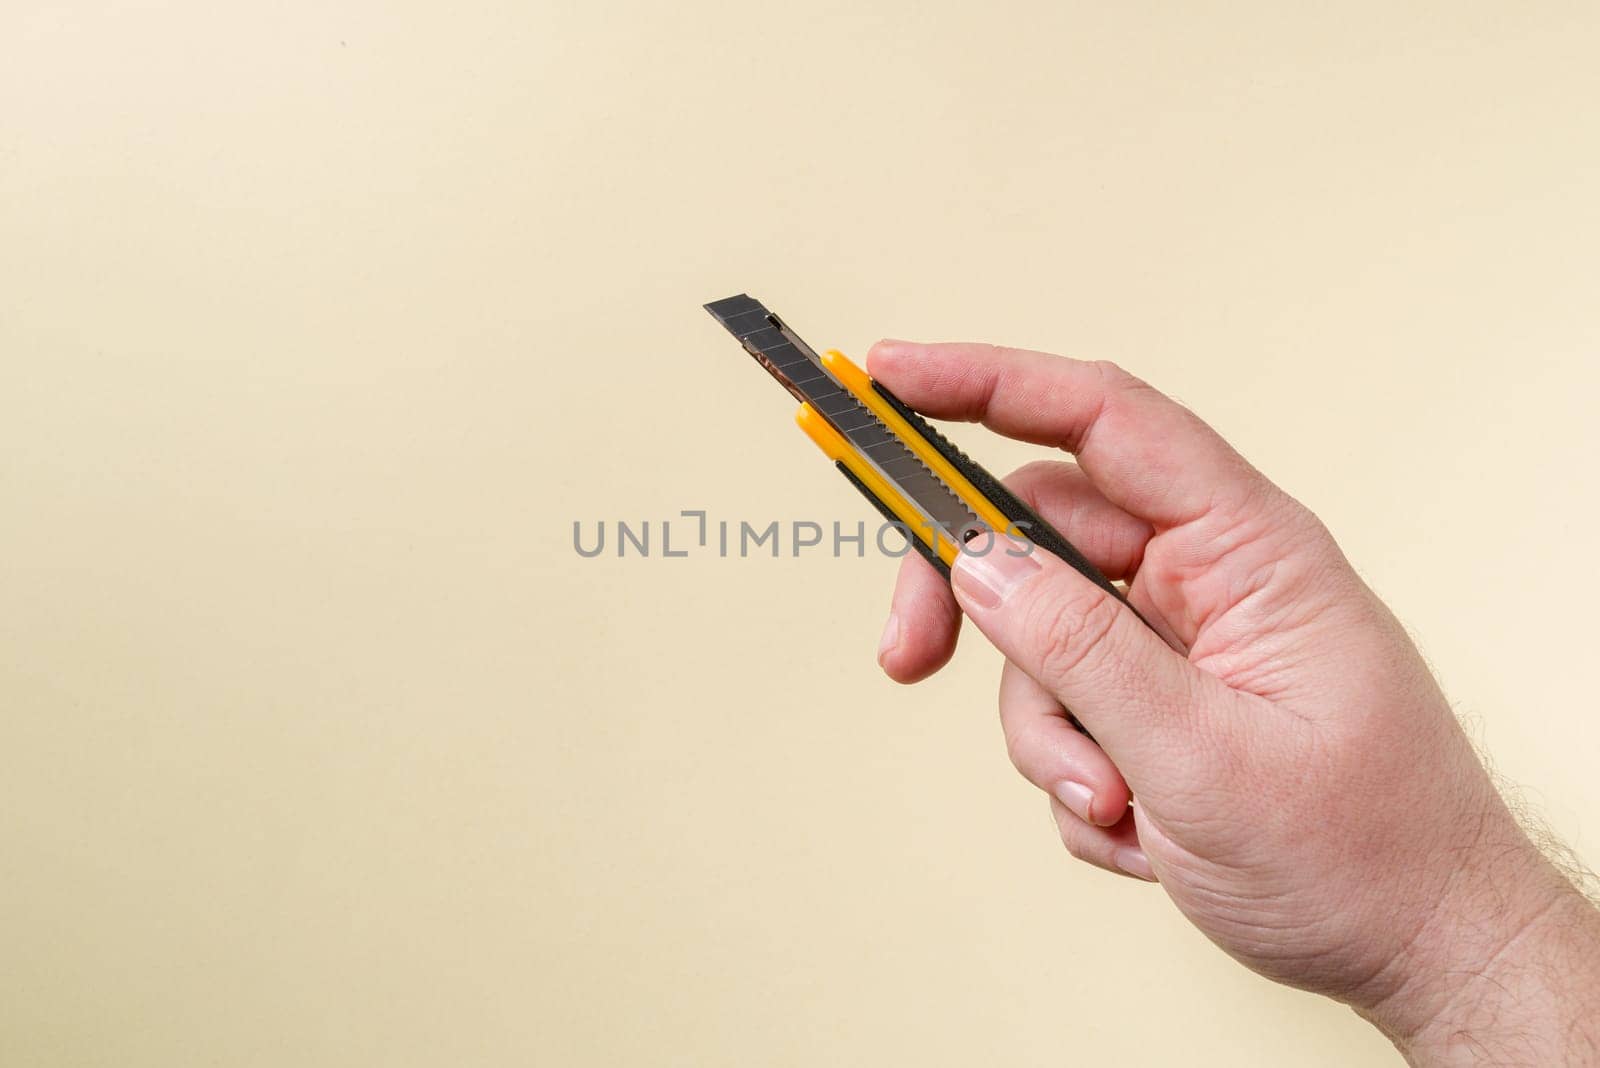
{"x":1298,"y":784}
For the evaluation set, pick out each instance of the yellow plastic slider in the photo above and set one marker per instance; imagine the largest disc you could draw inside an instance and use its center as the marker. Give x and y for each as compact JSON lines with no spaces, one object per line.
{"x":836,"y":447}
{"x":859,"y":383}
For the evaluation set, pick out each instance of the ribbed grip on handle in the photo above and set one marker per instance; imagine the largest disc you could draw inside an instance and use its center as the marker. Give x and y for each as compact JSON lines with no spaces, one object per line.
{"x":1010,"y":505}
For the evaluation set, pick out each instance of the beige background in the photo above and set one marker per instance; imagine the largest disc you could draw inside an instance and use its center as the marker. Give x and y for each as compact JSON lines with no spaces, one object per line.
{"x":320,"y":324}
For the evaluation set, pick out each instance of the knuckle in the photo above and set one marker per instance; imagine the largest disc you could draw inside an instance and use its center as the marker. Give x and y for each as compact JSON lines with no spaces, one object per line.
{"x":1077,"y":839}
{"x":1066,"y":631}
{"x":1033,"y":471}
{"x":1028,"y":480}
{"x":1016,"y":743}
{"x":1110,"y":371}
{"x":1070,"y":839}
{"x":1116,"y":377}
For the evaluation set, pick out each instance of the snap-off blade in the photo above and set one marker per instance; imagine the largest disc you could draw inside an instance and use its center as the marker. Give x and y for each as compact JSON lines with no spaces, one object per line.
{"x":798,"y":368}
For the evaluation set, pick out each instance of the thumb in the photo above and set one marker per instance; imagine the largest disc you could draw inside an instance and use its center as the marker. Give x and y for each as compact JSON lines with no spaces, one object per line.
{"x":1139,"y":698}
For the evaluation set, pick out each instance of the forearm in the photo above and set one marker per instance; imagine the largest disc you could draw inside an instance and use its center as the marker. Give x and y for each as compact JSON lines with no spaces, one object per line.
{"x":1506,"y":972}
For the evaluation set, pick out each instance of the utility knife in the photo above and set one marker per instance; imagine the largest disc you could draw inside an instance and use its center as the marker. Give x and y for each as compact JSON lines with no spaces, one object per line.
{"x":912,"y":474}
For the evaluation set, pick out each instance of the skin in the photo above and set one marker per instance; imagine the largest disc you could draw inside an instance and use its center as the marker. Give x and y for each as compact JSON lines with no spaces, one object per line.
{"x":1279,"y":757}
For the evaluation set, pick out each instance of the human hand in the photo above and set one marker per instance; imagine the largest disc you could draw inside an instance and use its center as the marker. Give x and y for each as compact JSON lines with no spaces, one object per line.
{"x":1298,"y":784}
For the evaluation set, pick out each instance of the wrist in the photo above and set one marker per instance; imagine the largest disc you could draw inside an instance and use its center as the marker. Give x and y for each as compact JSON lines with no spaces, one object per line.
{"x":1506,"y":969}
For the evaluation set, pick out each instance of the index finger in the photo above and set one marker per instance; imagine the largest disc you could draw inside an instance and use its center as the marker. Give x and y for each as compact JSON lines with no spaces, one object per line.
{"x":1147,"y":453}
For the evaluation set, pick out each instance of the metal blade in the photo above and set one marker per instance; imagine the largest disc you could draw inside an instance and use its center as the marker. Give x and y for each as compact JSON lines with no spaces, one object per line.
{"x":797,"y":367}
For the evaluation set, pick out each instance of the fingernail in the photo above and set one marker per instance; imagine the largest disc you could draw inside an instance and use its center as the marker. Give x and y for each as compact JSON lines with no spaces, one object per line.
{"x":1132,"y":860}
{"x":988,"y":579}
{"x":891,"y":637}
{"x":1079,"y":798}
{"x":891,"y":346}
